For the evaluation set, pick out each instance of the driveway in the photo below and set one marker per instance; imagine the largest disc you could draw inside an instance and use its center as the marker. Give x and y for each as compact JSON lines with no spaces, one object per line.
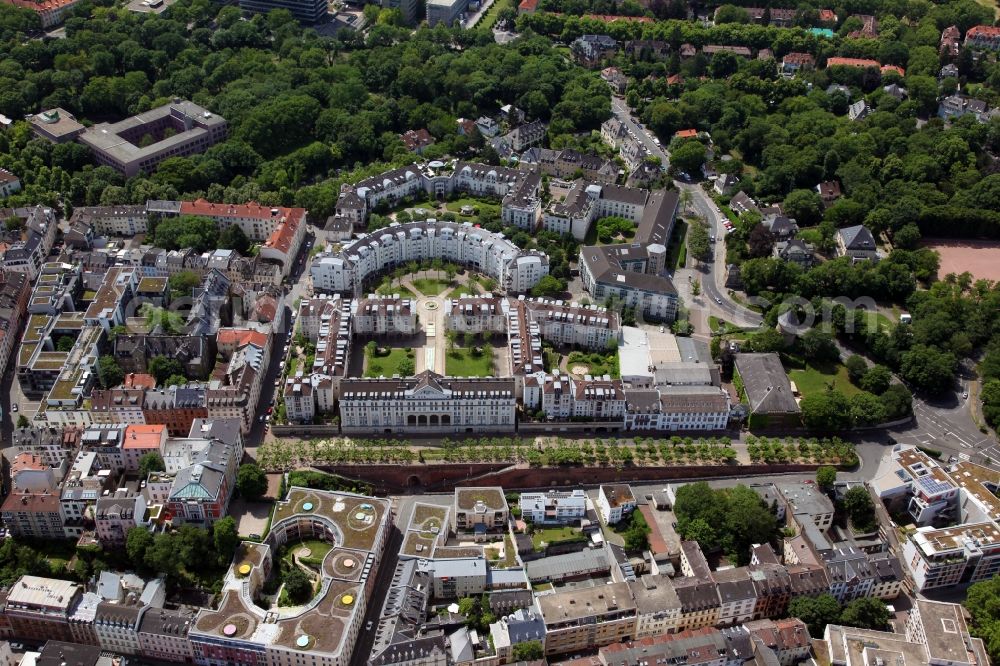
{"x":251,"y":517}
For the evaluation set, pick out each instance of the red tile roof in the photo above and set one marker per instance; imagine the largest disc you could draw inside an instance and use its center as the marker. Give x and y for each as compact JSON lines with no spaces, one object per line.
{"x":416,"y":139}
{"x":240,"y":337}
{"x":281,"y":238}
{"x":265,"y":309}
{"x":851,"y":62}
{"x":610,"y":18}
{"x":686,"y":134}
{"x":41,"y":5}
{"x":143,"y":436}
{"x":139,"y":380}
{"x":987,"y":31}
{"x":827,"y":16}
{"x":249,"y":210}
{"x":27,"y":461}
{"x":31,"y":503}
{"x":798,"y":59}
{"x":527,"y":6}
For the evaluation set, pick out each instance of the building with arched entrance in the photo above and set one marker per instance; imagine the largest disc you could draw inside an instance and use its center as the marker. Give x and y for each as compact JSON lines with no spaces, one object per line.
{"x":427,"y":403}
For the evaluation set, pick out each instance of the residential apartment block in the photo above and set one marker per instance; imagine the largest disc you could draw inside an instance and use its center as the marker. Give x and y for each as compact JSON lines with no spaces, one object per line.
{"x":631,"y":274}
{"x":584,"y":619}
{"x":615,"y":502}
{"x":378,"y":315}
{"x":359,"y":261}
{"x":677,"y":408}
{"x":553,"y":507}
{"x":479,"y":510}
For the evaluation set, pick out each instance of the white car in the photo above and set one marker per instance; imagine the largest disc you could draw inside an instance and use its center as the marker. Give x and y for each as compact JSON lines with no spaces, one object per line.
{"x":718,"y":300}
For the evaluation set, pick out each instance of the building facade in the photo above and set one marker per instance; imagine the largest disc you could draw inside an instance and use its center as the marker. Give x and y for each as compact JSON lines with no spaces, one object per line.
{"x":427,"y":403}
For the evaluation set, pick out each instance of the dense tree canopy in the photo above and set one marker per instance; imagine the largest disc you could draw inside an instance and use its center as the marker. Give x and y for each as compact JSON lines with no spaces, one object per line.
{"x":730,"y":519}
{"x":303,"y":110}
{"x":983,"y":602}
{"x":251,"y":481}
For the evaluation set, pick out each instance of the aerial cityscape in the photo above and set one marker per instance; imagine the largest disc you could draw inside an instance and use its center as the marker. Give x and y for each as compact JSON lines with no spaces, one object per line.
{"x":485,"y":332}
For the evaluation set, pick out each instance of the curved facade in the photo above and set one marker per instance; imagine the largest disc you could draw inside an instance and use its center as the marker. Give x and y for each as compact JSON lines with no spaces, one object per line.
{"x":322,"y":632}
{"x":358,"y":262}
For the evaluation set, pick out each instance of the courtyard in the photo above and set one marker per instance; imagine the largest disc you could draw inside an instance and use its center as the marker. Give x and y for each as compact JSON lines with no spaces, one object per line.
{"x":430,"y":348}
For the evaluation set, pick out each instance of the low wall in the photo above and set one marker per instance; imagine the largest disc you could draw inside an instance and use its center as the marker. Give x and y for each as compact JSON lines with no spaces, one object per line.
{"x":445,"y":477}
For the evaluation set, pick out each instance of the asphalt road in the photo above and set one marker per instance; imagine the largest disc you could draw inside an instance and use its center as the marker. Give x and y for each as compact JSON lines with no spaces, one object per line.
{"x":719,"y":300}
{"x":621,"y":111}
{"x":947,"y":426}
{"x":299,"y":288}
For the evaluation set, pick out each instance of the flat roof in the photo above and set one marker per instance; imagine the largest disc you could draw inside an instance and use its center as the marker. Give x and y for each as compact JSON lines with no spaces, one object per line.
{"x":584,"y":603}
{"x":806,"y":498}
{"x":567,"y":565}
{"x":39,"y":591}
{"x":492,"y":497}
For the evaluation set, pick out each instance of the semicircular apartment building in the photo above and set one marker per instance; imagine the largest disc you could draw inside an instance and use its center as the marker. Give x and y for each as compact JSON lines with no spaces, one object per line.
{"x":352,"y":268}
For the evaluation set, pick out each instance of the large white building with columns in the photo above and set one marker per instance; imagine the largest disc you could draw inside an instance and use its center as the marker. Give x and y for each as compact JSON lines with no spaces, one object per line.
{"x":427,"y":403}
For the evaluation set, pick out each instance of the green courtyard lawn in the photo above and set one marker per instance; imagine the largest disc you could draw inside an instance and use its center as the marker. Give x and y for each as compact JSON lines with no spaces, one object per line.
{"x":551,"y":535}
{"x":814,"y":378}
{"x":878,"y":319}
{"x":317,"y":551}
{"x":430,"y":286}
{"x":388,"y":288}
{"x":594,"y":363}
{"x":389,"y":364}
{"x":479,"y":205}
{"x":463,"y":363}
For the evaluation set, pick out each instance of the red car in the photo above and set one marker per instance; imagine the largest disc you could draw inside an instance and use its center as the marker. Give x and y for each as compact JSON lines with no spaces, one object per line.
{"x":269,"y":409}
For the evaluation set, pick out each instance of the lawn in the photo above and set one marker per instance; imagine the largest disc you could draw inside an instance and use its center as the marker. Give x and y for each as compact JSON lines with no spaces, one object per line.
{"x":884,"y":323}
{"x":389,"y":364}
{"x":478,"y":204}
{"x":463,"y":363}
{"x":815,"y":378}
{"x":317,"y":551}
{"x":553,"y":535}
{"x":431,"y":286}
{"x":487,"y":21}
{"x":388,"y":288}
{"x":677,"y":255}
{"x":595,"y":364}
{"x":991,"y":5}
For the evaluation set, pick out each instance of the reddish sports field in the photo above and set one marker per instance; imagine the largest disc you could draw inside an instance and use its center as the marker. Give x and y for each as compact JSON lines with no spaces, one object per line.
{"x":980,"y":258}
